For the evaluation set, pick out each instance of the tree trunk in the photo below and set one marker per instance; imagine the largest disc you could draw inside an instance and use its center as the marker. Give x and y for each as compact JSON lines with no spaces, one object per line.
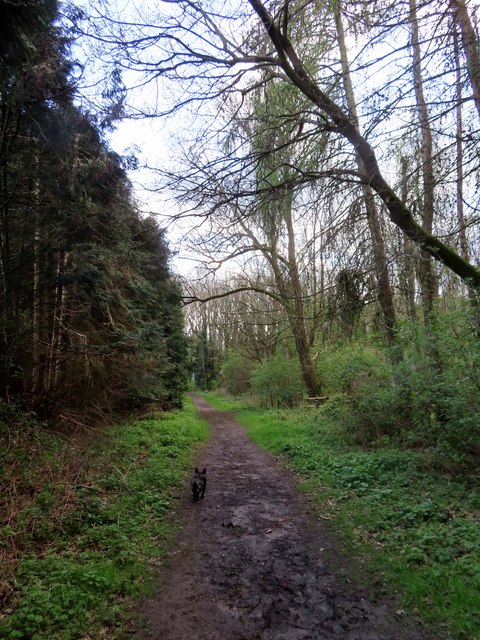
{"x":408,"y":257}
{"x":58,"y":314}
{"x":4,"y":257}
{"x":385,"y":295}
{"x":297,"y":318}
{"x":470,"y":47}
{"x":37,"y":382}
{"x":290,"y":294}
{"x":459,"y":147}
{"x":426,"y":271}
{"x":38,"y":336}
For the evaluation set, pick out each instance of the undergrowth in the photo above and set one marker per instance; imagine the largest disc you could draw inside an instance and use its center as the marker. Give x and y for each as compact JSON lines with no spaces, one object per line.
{"x":410,"y":524}
{"x":83,"y":541}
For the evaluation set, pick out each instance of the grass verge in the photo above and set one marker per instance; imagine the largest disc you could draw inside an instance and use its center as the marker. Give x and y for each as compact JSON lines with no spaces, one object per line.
{"x":87,"y":541}
{"x":416,"y":529}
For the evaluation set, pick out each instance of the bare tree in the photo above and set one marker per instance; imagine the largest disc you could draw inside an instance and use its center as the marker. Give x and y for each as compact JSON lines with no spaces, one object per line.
{"x":378,"y":244}
{"x":426,"y":272}
{"x":459,"y":153}
{"x":200,"y":52}
{"x":287,"y":59}
{"x":470,"y":46}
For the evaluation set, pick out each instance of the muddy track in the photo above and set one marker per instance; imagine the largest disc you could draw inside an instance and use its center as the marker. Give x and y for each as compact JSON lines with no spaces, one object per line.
{"x":249,"y":563}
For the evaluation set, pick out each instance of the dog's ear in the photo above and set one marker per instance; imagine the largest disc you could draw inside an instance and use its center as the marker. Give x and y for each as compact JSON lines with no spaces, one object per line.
{"x":204,"y":471}
{"x":196,"y":469}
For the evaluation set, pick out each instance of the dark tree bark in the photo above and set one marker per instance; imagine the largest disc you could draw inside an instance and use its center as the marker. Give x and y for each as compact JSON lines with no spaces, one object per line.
{"x":409,"y":257}
{"x":426,"y":272}
{"x":459,"y":149}
{"x":289,"y":287}
{"x":297,"y":314}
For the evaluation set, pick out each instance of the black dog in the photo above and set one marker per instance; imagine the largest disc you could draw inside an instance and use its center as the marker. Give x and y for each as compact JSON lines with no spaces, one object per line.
{"x":199,"y":484}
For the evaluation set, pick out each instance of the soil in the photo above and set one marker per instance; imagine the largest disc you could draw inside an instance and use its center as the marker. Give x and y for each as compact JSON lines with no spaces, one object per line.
{"x":251,"y":563}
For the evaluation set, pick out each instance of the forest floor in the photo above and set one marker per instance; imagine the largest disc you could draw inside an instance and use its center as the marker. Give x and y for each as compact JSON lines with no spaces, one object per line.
{"x":252,"y":562}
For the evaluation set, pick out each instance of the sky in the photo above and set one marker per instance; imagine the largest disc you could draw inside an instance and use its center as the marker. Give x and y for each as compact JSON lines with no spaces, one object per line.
{"x":151,"y":139}
{"x":148,"y":139}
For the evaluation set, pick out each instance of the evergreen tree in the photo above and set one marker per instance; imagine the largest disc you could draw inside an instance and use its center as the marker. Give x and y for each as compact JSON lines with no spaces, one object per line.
{"x":90,"y":315}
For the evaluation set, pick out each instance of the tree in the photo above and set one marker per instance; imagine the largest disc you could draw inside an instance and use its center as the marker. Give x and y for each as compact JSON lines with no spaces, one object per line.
{"x":385,"y":294}
{"x":199,"y":53}
{"x":426,"y":273}
{"x":351,"y":120}
{"x":459,"y":152}
{"x":289,"y":62}
{"x":90,"y":320}
{"x":470,"y":46}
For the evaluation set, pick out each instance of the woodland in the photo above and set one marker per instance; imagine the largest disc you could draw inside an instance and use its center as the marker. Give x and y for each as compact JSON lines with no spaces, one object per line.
{"x":335,"y":197}
{"x":326,"y":167}
{"x":322,"y":176}
{"x":90,"y":314}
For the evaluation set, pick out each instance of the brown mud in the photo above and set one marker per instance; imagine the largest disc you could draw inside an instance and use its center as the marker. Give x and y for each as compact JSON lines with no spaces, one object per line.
{"x":250,"y":563}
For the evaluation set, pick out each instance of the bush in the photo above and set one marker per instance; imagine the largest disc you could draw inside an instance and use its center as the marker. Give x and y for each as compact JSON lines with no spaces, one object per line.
{"x":441,"y":376}
{"x":235,"y":374}
{"x":377,"y":410}
{"x":353,"y":365}
{"x":278,"y":381}
{"x":431,"y":399}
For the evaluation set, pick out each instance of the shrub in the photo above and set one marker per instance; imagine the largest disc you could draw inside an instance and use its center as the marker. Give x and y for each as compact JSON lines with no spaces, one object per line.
{"x":431,"y":399}
{"x":353,"y":365}
{"x":278,"y":381}
{"x":235,"y":374}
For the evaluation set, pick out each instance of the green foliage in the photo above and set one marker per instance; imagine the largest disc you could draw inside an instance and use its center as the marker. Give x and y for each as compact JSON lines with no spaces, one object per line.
{"x":408,"y":523}
{"x":278,"y":381}
{"x":345,"y":367}
{"x":235,"y":374}
{"x":107,"y":330}
{"x":225,"y":402}
{"x":446,"y":394}
{"x":204,"y":361}
{"x":63,"y":593}
{"x":362,"y":392}
{"x":100,"y":537}
{"x":430,"y":399}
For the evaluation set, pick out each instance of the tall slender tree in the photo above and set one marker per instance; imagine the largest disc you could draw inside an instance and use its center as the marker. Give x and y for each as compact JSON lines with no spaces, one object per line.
{"x":426,"y":272}
{"x":385,"y":294}
{"x":90,"y":314}
{"x":470,"y":46}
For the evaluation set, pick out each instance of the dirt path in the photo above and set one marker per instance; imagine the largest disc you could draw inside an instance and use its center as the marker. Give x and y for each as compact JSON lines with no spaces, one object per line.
{"x":250,"y":565}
